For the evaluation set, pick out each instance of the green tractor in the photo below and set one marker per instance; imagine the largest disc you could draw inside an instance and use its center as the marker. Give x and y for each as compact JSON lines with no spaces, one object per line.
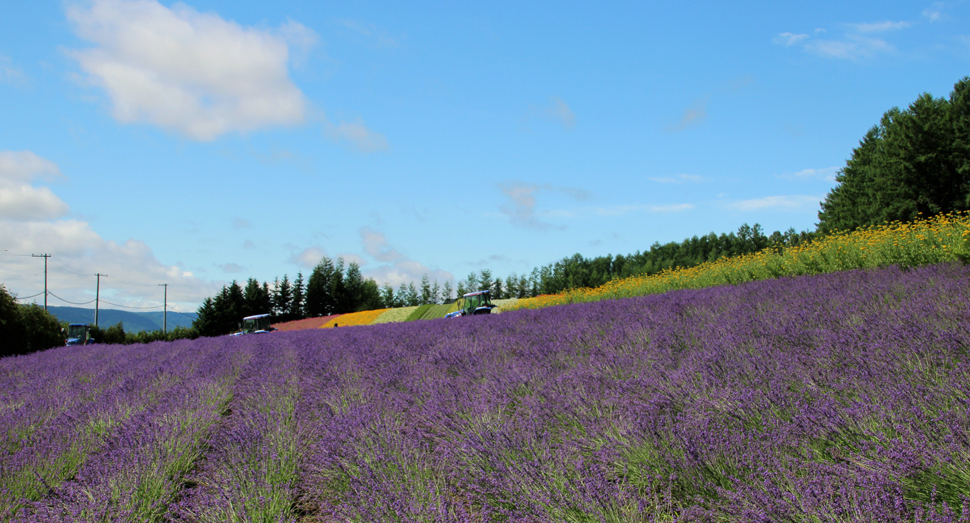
{"x":472,"y":304}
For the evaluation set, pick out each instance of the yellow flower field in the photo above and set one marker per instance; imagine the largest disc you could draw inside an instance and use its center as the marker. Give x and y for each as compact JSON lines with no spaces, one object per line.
{"x":923,"y":242}
{"x":354,"y":318}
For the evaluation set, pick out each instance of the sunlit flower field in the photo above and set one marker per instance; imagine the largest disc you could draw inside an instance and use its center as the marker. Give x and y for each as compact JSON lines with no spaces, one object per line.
{"x":939,"y":239}
{"x":834,"y":397}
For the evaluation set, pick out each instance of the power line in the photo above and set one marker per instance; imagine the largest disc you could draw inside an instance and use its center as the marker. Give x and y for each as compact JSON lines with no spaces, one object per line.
{"x":128,"y":306}
{"x":71,"y":302}
{"x":67,"y":268}
{"x":29,"y":297}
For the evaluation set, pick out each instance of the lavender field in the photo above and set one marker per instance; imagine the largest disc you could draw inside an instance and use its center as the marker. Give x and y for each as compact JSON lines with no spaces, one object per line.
{"x":841,"y":397}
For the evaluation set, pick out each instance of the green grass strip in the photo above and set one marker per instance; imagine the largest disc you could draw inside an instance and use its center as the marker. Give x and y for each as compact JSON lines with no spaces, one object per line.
{"x":418,"y":312}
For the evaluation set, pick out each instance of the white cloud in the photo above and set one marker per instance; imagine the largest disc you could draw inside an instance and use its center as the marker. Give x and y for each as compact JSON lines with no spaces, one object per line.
{"x":358,"y":135}
{"x":778,"y":203}
{"x":191,"y":72}
{"x":19,"y":199}
{"x":77,"y":251}
{"x":308,"y":258}
{"x":397,"y":268}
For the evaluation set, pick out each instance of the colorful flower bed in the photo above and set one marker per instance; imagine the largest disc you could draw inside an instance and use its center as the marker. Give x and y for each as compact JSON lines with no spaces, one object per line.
{"x":839,"y":397}
{"x":308,"y":323}
{"x":354,"y":318}
{"x":394,"y":315}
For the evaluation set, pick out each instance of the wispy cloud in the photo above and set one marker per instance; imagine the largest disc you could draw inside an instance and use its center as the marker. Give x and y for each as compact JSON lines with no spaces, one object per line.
{"x":827,"y":174}
{"x":377,"y":36}
{"x":520,"y":208}
{"x":776,"y":203}
{"x":934,"y":13}
{"x":680,"y":178}
{"x":789,"y":39}
{"x":231,"y":268}
{"x":376,"y":245}
{"x":858,"y":41}
{"x":357,"y":135}
{"x":557,"y":112}
{"x":191,"y":72}
{"x":10,"y":74}
{"x":692,"y":116}
{"x":396,"y":268}
{"x":241,"y":223}
{"x":618,"y":210}
{"x":881,"y":27}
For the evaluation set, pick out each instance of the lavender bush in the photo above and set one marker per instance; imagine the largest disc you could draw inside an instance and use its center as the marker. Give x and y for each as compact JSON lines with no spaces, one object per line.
{"x":840,"y":397}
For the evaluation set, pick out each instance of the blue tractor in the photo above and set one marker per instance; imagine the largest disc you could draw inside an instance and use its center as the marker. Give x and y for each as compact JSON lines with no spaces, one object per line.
{"x":79,"y":334}
{"x":472,"y":304}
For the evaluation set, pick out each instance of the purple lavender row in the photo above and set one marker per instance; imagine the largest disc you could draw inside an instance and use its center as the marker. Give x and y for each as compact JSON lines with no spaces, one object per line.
{"x":139,"y":471}
{"x":250,"y":472}
{"x":838,"y":397}
{"x":78,"y":398}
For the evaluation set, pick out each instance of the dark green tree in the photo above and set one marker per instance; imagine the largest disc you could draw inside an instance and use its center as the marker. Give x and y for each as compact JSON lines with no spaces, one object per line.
{"x":282,"y":298}
{"x":353,"y":289}
{"x":319,"y":289}
{"x":11,"y":331}
{"x":446,"y":291}
{"x":297,"y":310}
{"x":913,"y":163}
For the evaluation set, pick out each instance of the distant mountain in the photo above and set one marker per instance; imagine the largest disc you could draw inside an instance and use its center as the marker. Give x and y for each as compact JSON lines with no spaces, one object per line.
{"x":132,"y":321}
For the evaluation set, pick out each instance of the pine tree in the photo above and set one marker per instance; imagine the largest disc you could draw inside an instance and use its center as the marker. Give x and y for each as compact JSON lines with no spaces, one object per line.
{"x":485,"y":281}
{"x":282,"y":298}
{"x":319,"y":290}
{"x":436,"y":293}
{"x":354,"y":289}
{"x":387,"y":296}
{"x":297,"y":311}
{"x":425,"y":297}
{"x":446,"y":291}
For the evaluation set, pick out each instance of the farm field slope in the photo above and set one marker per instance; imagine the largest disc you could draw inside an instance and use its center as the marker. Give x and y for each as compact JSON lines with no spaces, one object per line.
{"x":837,"y":397}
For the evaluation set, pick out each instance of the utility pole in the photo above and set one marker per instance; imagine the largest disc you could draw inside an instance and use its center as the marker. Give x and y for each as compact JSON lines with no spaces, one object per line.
{"x":165,"y":309}
{"x":44,"y":256}
{"x":97,"y":298}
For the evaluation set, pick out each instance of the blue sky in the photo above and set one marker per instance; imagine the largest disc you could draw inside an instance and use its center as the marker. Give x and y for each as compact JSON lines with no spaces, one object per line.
{"x":196,"y":143}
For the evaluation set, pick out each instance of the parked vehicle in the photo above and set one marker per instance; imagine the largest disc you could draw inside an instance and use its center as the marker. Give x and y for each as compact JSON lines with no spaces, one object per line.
{"x":79,"y":334}
{"x":473,"y":303}
{"x":258,"y":324}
